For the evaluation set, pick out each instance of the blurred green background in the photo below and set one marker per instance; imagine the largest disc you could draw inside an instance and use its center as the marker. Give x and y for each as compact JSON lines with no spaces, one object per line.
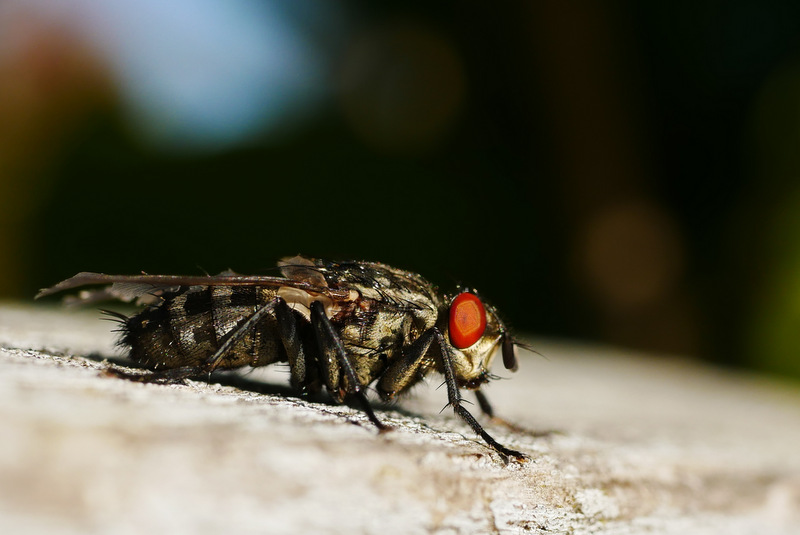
{"x":622,"y":172}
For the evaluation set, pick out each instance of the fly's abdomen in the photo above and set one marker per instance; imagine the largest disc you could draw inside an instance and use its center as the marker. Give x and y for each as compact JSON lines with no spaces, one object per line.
{"x":190,"y":325}
{"x":231,"y":307}
{"x":177,"y":332}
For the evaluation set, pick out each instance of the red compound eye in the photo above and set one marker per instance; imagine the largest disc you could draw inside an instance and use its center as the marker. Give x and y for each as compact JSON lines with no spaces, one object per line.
{"x":467,"y":320}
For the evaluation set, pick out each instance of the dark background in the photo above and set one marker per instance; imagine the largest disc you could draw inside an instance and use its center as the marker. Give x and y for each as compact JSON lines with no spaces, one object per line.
{"x":622,"y":172}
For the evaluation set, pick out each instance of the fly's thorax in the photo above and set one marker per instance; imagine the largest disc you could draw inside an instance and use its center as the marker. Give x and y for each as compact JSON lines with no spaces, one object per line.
{"x":389,"y":288}
{"x":300,"y":301}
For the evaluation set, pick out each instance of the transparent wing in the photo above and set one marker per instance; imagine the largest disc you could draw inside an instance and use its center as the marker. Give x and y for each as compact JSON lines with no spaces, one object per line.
{"x":129,"y":287}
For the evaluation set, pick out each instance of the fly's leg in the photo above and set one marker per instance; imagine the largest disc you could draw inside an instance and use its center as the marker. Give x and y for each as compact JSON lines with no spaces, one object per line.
{"x":484,"y":404}
{"x":454,"y":400}
{"x":327,"y":360}
{"x":405,"y":372}
{"x":303,"y":373}
{"x":487,"y":409}
{"x":236,"y":336}
{"x":334,"y":357}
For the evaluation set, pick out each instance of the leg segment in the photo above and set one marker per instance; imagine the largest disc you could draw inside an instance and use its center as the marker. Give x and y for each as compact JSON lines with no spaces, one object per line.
{"x":327,"y":360}
{"x":484,"y":404}
{"x":303,"y":373}
{"x":236,"y":335}
{"x":487,"y":409}
{"x":330,"y":343}
{"x":454,"y":399}
{"x":407,"y":370}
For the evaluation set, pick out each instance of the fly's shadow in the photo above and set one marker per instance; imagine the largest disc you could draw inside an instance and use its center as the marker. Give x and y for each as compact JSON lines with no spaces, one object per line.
{"x":125,"y":367}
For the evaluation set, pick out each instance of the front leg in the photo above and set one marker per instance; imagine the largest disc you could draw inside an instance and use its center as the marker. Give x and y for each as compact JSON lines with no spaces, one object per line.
{"x":407,"y":370}
{"x":454,"y":399}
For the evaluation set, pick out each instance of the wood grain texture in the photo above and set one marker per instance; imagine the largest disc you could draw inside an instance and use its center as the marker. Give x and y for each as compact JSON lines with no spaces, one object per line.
{"x":621,"y":443}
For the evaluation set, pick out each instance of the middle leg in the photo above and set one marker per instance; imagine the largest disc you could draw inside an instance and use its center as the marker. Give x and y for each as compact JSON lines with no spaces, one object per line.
{"x":330,"y":343}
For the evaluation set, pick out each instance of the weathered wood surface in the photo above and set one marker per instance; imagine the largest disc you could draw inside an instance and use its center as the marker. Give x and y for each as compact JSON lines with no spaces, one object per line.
{"x":621,"y":443}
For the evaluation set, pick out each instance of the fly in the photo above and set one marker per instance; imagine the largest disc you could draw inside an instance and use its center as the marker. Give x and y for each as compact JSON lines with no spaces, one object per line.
{"x":338,"y":325}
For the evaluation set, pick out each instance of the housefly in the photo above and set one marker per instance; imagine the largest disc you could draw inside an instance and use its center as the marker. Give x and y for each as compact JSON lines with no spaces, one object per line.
{"x":339,"y":325}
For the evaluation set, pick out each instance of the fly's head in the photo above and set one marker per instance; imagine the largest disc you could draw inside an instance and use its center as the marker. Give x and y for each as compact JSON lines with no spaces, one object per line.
{"x":475,"y":332}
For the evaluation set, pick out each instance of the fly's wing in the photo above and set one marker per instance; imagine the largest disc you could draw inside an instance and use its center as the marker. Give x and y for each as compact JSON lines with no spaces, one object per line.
{"x":130,"y":287}
{"x":127,"y":292}
{"x":341,"y":277}
{"x":300,"y":268}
